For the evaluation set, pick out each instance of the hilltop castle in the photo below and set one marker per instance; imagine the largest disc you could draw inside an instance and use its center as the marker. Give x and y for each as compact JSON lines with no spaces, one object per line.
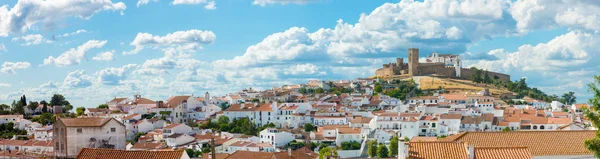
{"x":445,"y":65}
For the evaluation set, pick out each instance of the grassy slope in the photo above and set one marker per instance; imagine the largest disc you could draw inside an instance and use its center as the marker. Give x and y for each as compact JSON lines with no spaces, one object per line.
{"x":456,"y":85}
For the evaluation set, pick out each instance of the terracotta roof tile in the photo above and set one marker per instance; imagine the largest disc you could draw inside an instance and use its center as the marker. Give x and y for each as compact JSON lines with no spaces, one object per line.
{"x":148,"y":146}
{"x":175,"y":101}
{"x":502,"y":152}
{"x":84,"y":122}
{"x":451,"y":116}
{"x":433,"y":150}
{"x":540,"y":143}
{"x":89,"y":153}
{"x":343,"y":130}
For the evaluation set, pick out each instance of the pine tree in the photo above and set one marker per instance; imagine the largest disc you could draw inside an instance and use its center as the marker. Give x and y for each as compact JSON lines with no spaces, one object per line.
{"x":394,"y":146}
{"x":382,"y":151}
{"x":372,"y":151}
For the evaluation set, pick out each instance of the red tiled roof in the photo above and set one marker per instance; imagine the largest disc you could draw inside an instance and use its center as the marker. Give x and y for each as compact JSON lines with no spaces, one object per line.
{"x":90,"y":153}
{"x":84,"y":122}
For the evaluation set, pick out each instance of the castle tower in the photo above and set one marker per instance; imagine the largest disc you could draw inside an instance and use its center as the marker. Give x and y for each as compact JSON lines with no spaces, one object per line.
{"x":413,"y":61}
{"x":207,"y":97}
{"x":457,"y":67}
{"x":399,"y":62}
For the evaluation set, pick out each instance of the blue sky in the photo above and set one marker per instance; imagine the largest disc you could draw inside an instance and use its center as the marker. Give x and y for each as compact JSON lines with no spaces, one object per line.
{"x":94,"y":51}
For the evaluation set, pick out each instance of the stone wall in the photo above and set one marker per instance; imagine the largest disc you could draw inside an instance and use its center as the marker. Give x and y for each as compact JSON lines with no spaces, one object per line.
{"x":429,"y":68}
{"x":466,"y":73}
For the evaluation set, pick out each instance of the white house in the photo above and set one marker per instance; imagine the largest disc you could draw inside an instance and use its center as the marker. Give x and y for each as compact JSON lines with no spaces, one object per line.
{"x":275,"y":137}
{"x":176,"y":129}
{"x":71,"y":135}
{"x":449,"y":123}
{"x":347,"y":134}
{"x":178,"y":139}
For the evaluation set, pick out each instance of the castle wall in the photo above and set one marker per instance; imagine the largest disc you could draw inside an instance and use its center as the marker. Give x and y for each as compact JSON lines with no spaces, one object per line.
{"x":429,"y":68}
{"x":385,"y":72}
{"x":466,"y":73}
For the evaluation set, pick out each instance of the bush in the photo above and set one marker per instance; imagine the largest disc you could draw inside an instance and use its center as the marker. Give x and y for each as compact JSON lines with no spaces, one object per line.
{"x":350,"y":145}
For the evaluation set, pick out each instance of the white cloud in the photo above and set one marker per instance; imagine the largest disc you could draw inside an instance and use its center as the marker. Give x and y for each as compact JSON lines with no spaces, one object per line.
{"x":283,"y":2}
{"x":32,"y":39}
{"x":77,"y":79}
{"x":390,"y":28}
{"x":114,"y":75}
{"x":105,"y":56}
{"x":190,"y":40}
{"x":27,"y":13}
{"x":5,"y":85}
{"x":74,"y":55}
{"x":144,"y":2}
{"x":10,"y":67}
{"x":209,"y":4}
{"x":303,"y":69}
{"x":540,"y":14}
{"x":73,"y":33}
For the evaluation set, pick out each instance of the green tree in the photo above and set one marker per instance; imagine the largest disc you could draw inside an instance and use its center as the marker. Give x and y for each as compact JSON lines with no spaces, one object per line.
{"x":44,"y":106}
{"x":486,"y":77}
{"x":506,"y":129}
{"x":302,"y":90}
{"x":593,"y":114}
{"x":394,"y":146}
{"x":33,"y":105}
{"x":23,"y":100}
{"x":350,"y":145}
{"x":382,"y":151}
{"x":223,"y":120}
{"x":80,"y":111}
{"x":138,"y":135}
{"x":308,"y":127}
{"x":378,"y":87}
{"x":44,"y":119}
{"x":103,"y":106}
{"x":319,"y":90}
{"x":569,"y":98}
{"x":372,"y":151}
{"x":17,"y":107}
{"x":67,"y":108}
{"x":327,"y":152}
{"x":58,"y":99}
{"x":4,"y":107}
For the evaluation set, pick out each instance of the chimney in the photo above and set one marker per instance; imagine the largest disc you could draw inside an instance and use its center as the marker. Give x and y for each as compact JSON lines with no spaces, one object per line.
{"x":289,"y":151}
{"x":242,"y":105}
{"x":471,"y":151}
{"x":402,"y":150}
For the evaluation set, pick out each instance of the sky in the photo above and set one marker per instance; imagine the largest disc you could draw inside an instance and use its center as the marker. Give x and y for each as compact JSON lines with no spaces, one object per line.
{"x":93,"y":51}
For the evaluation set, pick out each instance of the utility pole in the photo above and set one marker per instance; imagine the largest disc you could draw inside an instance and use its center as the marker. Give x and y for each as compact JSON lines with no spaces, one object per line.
{"x":212,"y":148}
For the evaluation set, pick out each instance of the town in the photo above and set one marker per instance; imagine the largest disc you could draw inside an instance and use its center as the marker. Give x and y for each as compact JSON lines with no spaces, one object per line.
{"x":376,"y":117}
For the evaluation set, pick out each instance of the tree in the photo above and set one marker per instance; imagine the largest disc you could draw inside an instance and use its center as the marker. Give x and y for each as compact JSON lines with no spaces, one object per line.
{"x":593,"y":114}
{"x":103,"y":106}
{"x":382,"y":151}
{"x":295,"y":145}
{"x":44,"y":119}
{"x":486,"y":78}
{"x":23,"y":100}
{"x":33,"y":105}
{"x":378,"y":88}
{"x":4,"y":107}
{"x":80,"y":111}
{"x":308,"y":127}
{"x":394,"y":146}
{"x":372,"y":151}
{"x":138,"y":135}
{"x":223,"y":120}
{"x":67,"y":108}
{"x":17,"y":107}
{"x":58,"y":99}
{"x":319,"y":90}
{"x":44,"y":106}
{"x":569,"y":98}
{"x":350,"y":145}
{"x":302,"y":90}
{"x":506,"y":129}
{"x":326,"y":152}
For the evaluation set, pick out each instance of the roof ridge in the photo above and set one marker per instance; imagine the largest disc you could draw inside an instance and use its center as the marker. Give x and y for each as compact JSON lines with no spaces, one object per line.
{"x":502,"y":147}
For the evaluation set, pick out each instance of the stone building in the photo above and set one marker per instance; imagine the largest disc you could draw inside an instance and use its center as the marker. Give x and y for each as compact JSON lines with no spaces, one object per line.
{"x":445,"y":65}
{"x":71,"y":135}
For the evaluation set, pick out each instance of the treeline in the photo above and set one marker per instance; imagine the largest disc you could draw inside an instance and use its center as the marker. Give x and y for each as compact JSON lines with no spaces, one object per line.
{"x":241,"y":125}
{"x":403,"y":89}
{"x":520,"y":87}
{"x":7,"y":131}
{"x":19,"y":107}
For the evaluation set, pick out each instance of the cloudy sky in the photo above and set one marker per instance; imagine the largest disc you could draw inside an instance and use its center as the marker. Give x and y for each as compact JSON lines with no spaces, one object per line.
{"x":94,"y":51}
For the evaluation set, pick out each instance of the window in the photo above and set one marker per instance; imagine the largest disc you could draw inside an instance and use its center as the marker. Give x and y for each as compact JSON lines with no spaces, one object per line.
{"x":113,"y":129}
{"x":79,"y":130}
{"x":423,"y":130}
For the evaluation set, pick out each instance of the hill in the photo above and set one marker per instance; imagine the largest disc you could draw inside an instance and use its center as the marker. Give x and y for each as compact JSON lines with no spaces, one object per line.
{"x":456,"y":85}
